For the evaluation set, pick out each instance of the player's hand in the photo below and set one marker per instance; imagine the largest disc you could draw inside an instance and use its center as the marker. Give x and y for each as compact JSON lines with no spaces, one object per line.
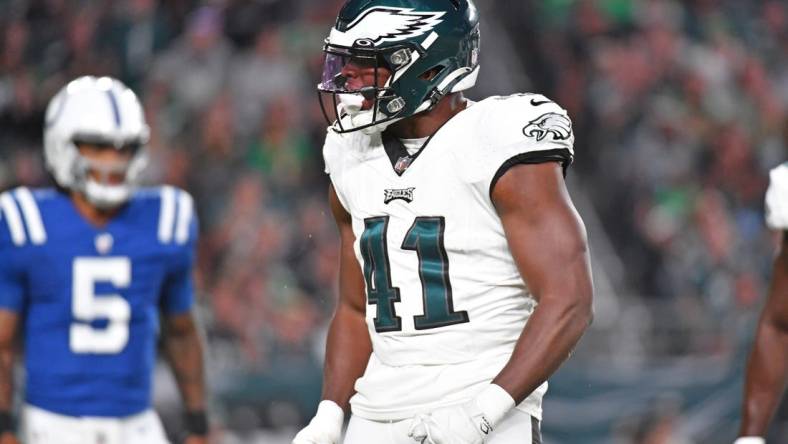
{"x":462,"y":424}
{"x":468,"y":423}
{"x":325,"y":427}
{"x":445,"y":426}
{"x":191,"y":439}
{"x":8,"y":438}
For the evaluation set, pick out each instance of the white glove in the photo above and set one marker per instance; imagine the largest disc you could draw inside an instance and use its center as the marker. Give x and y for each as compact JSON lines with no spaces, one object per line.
{"x":468,"y":423}
{"x":325,"y":427}
{"x":750,"y":440}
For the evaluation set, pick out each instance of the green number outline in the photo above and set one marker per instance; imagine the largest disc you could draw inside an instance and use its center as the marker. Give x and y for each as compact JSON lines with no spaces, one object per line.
{"x":376,"y":265}
{"x":436,"y":291}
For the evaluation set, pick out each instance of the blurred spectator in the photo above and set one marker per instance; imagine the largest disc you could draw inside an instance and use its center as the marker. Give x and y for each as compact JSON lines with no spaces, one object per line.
{"x":281,"y":150}
{"x":138,"y":30}
{"x":190,"y":75}
{"x":261,"y":74}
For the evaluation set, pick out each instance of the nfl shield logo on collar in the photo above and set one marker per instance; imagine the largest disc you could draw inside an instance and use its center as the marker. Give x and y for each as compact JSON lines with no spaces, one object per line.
{"x":402,"y":164}
{"x":104,"y":243}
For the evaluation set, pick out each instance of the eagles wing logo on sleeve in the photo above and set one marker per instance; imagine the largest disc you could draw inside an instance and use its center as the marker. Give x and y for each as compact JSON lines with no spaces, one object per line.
{"x":387,"y":24}
{"x":558,"y":125}
{"x":405,"y":194}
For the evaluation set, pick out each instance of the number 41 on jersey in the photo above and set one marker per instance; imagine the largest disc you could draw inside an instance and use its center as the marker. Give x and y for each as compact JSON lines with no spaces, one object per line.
{"x":425,"y":237}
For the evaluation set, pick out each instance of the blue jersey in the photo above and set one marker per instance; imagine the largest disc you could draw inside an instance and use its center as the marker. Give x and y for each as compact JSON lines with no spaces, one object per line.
{"x":89,"y":297}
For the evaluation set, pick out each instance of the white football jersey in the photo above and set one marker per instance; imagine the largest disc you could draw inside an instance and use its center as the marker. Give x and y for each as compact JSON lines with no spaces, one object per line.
{"x":777,"y":198}
{"x":446,"y":301}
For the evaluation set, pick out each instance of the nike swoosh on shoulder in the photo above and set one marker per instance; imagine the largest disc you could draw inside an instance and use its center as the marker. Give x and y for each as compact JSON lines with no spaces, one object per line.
{"x":535,"y":102}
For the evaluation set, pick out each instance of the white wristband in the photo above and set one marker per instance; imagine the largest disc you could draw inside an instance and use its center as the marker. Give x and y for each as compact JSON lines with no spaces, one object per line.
{"x":750,"y":440}
{"x":494,"y":402}
{"x":330,"y":411}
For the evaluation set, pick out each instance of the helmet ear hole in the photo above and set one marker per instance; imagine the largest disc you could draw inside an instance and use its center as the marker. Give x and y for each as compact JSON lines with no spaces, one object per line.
{"x":432,"y":73}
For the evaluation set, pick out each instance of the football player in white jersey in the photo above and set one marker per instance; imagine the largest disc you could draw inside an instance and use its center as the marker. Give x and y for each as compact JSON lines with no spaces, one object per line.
{"x":768,"y":364}
{"x":465,"y":279}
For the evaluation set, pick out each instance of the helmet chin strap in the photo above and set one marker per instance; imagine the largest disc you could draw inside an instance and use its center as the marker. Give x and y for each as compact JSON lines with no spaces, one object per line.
{"x":351,"y":104}
{"x":101,"y":194}
{"x":106,"y":197}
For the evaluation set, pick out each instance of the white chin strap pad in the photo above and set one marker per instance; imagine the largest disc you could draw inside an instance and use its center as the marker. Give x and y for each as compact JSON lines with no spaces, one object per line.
{"x":106,"y":196}
{"x":351,"y":105}
{"x":101,"y":194}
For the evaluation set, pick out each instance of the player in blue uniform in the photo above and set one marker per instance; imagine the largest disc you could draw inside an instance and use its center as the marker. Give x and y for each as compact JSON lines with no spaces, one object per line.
{"x":85,"y":271}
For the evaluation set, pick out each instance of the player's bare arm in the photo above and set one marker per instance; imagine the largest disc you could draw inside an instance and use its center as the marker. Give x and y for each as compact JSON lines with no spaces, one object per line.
{"x":349,"y":347}
{"x":8,"y":327}
{"x":184,"y":350}
{"x":768,"y":365}
{"x":548,"y":242}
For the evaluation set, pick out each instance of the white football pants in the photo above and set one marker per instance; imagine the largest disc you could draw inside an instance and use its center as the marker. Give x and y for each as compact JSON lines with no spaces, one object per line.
{"x":517,"y":427}
{"x":44,"y":427}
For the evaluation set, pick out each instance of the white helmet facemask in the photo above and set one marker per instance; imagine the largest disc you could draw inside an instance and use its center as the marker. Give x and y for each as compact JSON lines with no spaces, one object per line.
{"x":94,"y":180}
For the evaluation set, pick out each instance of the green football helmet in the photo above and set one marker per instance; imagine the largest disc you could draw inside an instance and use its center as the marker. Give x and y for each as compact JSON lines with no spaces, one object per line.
{"x":416,"y":52}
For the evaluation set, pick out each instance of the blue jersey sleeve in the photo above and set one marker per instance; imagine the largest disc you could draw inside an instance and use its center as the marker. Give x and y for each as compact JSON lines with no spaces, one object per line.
{"x":12,"y":281}
{"x":178,"y":289}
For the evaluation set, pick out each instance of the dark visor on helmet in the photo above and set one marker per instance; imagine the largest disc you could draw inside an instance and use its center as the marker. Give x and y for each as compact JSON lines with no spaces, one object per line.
{"x":381,"y":99}
{"x":338,"y":58}
{"x":131,"y":145}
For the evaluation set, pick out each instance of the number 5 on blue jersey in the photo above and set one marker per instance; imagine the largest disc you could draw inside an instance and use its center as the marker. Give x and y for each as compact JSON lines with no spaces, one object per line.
{"x":87,"y":306}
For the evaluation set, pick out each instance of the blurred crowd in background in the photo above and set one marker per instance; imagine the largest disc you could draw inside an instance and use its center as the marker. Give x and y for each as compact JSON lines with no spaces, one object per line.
{"x":679,"y":109}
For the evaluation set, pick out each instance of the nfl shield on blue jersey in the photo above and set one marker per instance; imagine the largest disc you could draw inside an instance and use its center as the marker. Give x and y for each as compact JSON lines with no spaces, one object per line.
{"x":89,"y":297}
